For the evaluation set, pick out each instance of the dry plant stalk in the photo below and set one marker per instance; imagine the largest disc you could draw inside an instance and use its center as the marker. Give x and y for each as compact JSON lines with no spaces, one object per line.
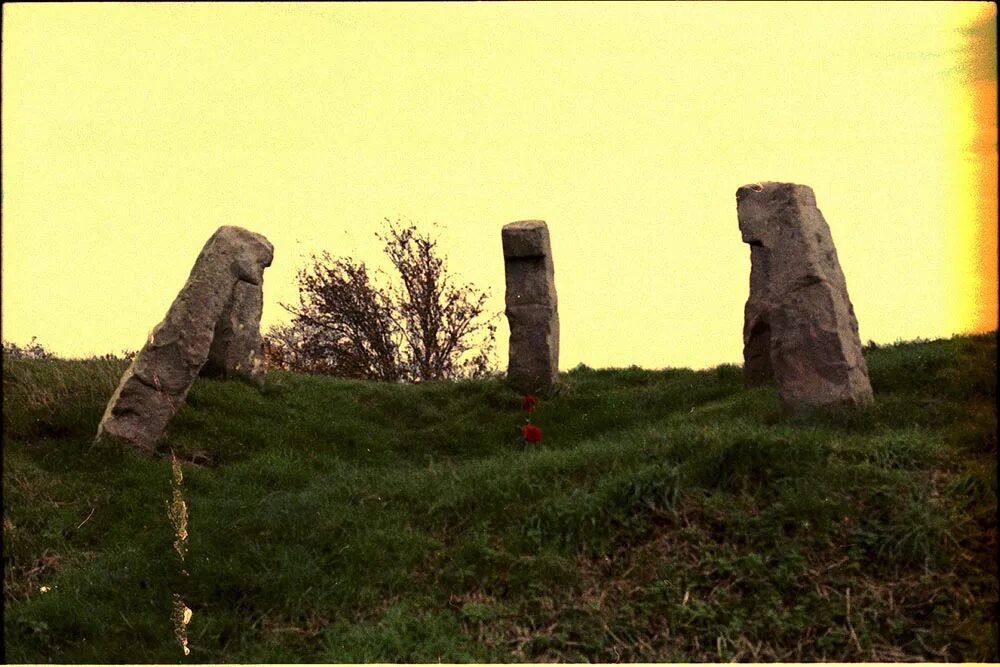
{"x":181,"y":616}
{"x":177,"y":509}
{"x":177,"y":512}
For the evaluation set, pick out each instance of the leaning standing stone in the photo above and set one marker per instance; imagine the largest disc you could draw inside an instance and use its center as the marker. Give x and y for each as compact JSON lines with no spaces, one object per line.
{"x":531,"y":307}
{"x":217,"y":312}
{"x":799,"y":326}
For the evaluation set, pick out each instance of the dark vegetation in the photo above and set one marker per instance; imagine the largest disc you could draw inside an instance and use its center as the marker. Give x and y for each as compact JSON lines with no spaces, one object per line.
{"x":354,"y":323}
{"x":30,"y":350}
{"x":667,"y":516}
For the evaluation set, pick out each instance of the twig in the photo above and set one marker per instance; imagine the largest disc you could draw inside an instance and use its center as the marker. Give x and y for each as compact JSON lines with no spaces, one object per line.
{"x":88,"y":517}
{"x":827,"y":568}
{"x":613,"y":635}
{"x":850,"y":626}
{"x":928,"y":648}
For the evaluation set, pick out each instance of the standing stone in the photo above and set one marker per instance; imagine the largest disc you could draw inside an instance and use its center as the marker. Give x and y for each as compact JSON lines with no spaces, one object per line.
{"x":238,"y":348}
{"x":215,"y":315}
{"x":532,"y":313}
{"x":799,"y":327}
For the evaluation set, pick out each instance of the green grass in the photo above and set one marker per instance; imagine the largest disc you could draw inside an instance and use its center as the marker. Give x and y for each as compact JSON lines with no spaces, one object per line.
{"x":666,"y":516}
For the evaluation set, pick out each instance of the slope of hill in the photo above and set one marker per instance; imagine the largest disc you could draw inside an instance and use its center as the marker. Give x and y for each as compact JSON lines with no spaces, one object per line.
{"x":666,"y":516}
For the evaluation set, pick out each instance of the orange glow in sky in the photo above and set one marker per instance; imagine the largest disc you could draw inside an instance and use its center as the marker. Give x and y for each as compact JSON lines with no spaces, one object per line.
{"x":131,"y":131}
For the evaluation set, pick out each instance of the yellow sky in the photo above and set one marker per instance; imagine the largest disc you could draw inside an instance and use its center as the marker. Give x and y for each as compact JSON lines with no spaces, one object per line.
{"x":132,"y":131}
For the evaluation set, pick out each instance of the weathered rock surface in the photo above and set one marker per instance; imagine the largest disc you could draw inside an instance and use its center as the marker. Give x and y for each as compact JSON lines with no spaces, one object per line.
{"x":799,"y":328}
{"x":532,"y":312}
{"x":238,"y":348}
{"x":215,"y":315}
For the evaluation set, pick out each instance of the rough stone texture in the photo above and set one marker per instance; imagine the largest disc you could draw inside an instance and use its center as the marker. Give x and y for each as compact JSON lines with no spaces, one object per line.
{"x":217,"y":314}
{"x":532,"y":312}
{"x":799,"y":328}
{"x":238,"y":348}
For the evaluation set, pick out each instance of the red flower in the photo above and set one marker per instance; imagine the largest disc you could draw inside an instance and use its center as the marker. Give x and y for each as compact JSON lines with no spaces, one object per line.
{"x":528,"y":403}
{"x":531,"y":433}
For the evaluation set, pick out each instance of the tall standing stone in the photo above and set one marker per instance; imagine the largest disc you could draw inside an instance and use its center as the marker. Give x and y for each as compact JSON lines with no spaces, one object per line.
{"x":799,"y":326}
{"x":215,"y":315}
{"x":531,"y":311}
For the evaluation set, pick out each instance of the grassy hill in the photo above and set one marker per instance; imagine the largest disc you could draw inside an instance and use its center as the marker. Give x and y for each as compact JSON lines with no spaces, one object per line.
{"x":666,"y":516}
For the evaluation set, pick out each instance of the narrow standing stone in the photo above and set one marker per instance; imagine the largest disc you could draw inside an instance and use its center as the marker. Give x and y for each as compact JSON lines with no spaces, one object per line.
{"x":532,"y":312}
{"x":216,"y":313}
{"x":799,"y":326}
